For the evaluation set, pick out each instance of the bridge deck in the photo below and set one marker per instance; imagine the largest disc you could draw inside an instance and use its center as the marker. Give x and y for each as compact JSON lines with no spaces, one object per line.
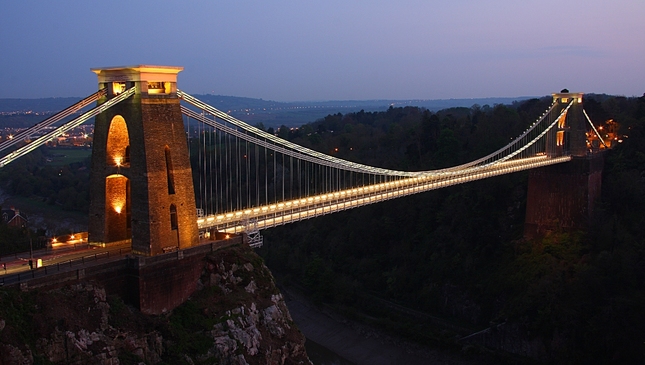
{"x":300,"y":209}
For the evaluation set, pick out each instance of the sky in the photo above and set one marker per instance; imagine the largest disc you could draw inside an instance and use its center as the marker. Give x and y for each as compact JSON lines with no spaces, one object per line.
{"x":313,"y":50}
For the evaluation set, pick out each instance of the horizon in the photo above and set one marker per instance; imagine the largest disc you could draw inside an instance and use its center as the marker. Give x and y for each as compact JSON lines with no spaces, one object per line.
{"x":522,"y":97}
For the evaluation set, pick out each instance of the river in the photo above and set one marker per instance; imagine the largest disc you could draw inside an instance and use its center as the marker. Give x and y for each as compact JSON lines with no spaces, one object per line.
{"x":320,"y":355}
{"x":333,"y":340}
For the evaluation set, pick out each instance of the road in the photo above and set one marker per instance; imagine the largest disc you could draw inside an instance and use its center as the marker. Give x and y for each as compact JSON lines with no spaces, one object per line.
{"x":72,"y":254}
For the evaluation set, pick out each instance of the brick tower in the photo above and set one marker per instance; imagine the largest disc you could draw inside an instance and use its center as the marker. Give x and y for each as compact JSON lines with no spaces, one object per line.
{"x":141,"y":183}
{"x":562,"y":196}
{"x":569,"y":136}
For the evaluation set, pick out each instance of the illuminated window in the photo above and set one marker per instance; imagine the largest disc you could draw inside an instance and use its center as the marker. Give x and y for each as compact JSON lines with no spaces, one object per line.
{"x":173,"y":217}
{"x":560,"y":138}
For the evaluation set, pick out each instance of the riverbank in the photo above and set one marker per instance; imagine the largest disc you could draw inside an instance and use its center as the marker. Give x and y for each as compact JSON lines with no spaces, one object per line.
{"x":360,"y":344}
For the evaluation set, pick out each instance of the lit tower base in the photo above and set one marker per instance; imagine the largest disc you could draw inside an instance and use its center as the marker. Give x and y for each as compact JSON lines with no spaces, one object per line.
{"x":141,"y":183}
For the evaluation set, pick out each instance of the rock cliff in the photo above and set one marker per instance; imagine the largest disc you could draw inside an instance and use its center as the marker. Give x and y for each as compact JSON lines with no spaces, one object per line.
{"x":237,"y":316}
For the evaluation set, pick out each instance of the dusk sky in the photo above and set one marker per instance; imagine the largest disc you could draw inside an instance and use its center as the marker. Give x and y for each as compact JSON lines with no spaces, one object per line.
{"x":329,"y":50}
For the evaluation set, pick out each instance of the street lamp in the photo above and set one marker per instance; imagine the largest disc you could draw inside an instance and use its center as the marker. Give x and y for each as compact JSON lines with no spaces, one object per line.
{"x":31,"y":250}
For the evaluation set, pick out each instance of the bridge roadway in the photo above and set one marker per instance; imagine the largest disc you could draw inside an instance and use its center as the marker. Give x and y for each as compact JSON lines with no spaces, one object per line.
{"x":300,"y":209}
{"x":57,"y":260}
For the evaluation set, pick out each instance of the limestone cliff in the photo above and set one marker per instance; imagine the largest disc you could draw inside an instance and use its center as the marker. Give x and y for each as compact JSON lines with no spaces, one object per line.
{"x":237,"y":316}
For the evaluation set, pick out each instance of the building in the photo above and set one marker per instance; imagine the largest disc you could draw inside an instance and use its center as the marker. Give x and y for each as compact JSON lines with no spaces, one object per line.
{"x":13,"y":218}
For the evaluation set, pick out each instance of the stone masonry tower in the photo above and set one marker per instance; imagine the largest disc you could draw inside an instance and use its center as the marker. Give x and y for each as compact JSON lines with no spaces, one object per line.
{"x":141,"y":182}
{"x":562,"y":196}
{"x":569,"y":136}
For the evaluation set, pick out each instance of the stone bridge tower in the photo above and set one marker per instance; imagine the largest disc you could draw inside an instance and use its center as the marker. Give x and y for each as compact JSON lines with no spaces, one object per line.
{"x":562,"y":196}
{"x":141,"y":181}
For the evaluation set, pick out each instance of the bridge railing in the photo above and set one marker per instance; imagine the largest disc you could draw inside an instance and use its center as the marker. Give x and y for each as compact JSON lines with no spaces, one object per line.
{"x":63,"y":266}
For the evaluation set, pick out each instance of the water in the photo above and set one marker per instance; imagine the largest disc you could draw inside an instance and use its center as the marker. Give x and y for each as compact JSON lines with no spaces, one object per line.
{"x":320,"y":355}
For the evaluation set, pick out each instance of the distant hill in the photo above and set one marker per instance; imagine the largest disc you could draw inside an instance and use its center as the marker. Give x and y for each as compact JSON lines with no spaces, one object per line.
{"x":253,"y":111}
{"x":36,"y":105}
{"x":239,"y":104}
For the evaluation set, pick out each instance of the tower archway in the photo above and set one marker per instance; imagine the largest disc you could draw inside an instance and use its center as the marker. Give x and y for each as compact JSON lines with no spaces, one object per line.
{"x":118,"y":142}
{"x":118,"y":227}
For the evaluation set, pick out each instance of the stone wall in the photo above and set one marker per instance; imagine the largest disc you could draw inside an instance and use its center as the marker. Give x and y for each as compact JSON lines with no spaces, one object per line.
{"x":562,"y":196}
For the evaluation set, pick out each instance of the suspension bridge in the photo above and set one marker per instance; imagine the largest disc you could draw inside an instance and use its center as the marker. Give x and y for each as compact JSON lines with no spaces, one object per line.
{"x":247,"y":179}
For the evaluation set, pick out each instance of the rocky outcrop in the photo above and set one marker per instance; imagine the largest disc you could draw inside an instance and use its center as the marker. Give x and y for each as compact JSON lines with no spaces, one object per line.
{"x":72,"y":325}
{"x":258,"y":329}
{"x":237,"y":316}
